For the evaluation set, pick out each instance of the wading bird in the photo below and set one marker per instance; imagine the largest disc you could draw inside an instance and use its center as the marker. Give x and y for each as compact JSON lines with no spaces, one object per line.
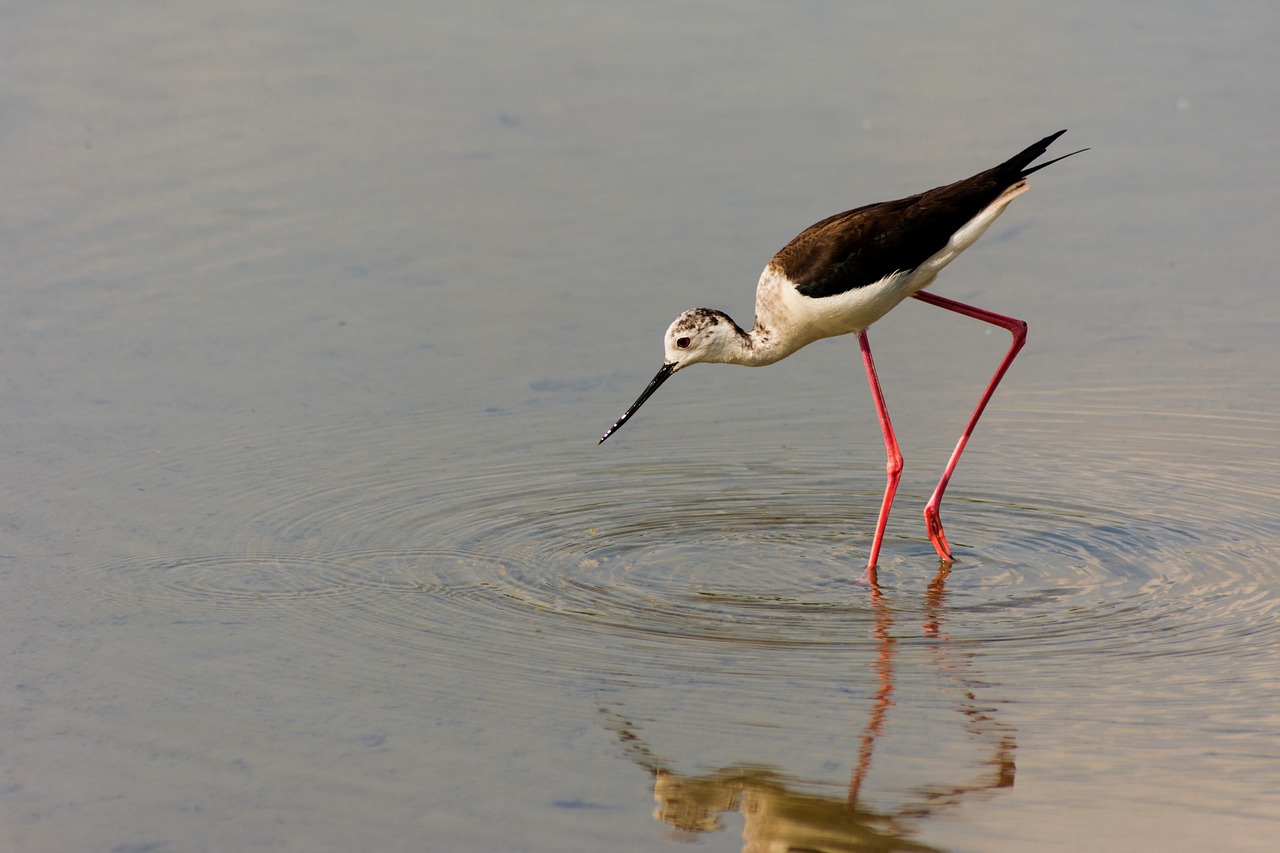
{"x":842,"y":274}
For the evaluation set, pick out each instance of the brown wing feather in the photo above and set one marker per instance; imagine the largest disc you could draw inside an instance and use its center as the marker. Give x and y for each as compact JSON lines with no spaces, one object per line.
{"x":861,"y":246}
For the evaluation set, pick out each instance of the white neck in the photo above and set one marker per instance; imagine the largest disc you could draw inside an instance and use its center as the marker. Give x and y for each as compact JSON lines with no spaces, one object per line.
{"x":774,"y":336}
{"x":763,"y":345}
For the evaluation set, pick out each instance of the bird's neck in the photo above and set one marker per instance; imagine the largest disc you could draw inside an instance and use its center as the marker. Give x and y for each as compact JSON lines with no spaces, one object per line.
{"x":772,"y":338}
{"x":761,"y":346}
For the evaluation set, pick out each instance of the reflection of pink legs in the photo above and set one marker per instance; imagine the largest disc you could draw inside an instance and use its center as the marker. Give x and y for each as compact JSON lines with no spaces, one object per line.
{"x":893,"y":464}
{"x":884,"y":695}
{"x":1018,"y":329}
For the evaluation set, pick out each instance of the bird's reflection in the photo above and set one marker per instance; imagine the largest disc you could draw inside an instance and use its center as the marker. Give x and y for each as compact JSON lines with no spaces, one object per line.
{"x":779,"y":817}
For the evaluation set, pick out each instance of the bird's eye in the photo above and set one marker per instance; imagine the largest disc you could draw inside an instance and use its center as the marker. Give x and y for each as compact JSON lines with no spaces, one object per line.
{"x":683,"y":343}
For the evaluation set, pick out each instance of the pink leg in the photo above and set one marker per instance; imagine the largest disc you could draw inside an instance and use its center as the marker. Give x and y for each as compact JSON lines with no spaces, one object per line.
{"x":1018,"y":329}
{"x":894,"y":464}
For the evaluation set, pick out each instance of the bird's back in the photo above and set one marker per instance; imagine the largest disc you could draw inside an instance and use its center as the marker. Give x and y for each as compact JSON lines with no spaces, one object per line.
{"x":862,"y":246}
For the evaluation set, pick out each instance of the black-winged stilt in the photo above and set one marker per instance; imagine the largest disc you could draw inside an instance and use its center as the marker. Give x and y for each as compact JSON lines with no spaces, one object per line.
{"x":840,"y":275}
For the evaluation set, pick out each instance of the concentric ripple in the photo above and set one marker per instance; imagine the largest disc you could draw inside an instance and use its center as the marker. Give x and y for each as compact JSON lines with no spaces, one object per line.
{"x":419,"y":536}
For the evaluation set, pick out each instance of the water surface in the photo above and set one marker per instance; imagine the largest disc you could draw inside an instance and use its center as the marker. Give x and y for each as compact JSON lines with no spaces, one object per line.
{"x":312,"y":318}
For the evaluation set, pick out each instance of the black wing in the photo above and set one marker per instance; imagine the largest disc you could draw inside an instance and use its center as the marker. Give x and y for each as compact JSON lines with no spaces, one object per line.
{"x":861,"y":246}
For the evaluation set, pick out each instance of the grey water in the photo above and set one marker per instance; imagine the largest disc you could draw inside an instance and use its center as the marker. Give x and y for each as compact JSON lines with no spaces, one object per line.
{"x":313,"y":313}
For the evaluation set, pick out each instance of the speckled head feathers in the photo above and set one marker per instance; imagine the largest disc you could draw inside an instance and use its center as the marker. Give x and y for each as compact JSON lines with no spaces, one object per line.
{"x":703,"y":334}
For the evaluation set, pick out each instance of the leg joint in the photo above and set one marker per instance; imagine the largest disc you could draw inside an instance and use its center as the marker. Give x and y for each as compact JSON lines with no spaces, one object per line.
{"x":893,"y":466}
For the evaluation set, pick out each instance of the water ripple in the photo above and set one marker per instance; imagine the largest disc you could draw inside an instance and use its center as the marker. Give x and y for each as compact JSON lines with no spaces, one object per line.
{"x":545,"y":555}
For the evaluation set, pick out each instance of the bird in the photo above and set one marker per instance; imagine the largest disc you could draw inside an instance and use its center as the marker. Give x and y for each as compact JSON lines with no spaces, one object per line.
{"x":842,"y":274}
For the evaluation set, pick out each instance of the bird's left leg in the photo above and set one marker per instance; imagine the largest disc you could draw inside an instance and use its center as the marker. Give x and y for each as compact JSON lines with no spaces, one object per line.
{"x":1018,"y":329}
{"x":893,"y":463}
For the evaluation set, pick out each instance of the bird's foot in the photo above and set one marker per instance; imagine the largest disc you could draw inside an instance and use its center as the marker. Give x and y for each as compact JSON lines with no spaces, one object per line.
{"x":933,"y":525}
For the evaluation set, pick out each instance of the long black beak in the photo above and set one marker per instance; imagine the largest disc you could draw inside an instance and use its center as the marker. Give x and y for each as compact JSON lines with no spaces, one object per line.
{"x":663,"y":374}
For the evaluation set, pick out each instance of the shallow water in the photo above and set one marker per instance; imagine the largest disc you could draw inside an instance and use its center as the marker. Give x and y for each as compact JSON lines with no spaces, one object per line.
{"x":313,"y":320}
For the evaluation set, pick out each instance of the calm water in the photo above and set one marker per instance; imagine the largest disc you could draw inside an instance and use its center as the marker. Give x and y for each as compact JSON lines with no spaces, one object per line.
{"x":312,"y":316}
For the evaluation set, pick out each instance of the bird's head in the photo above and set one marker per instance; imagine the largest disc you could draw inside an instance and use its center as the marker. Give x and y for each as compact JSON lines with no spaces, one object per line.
{"x":700,"y":334}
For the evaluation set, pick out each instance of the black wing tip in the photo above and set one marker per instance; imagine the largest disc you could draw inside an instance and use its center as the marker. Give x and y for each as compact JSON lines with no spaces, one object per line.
{"x":1024,"y":159}
{"x":1037,"y":168}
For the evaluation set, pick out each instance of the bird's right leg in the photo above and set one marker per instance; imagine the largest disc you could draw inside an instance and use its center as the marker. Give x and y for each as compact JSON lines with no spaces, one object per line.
{"x":893,"y":465}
